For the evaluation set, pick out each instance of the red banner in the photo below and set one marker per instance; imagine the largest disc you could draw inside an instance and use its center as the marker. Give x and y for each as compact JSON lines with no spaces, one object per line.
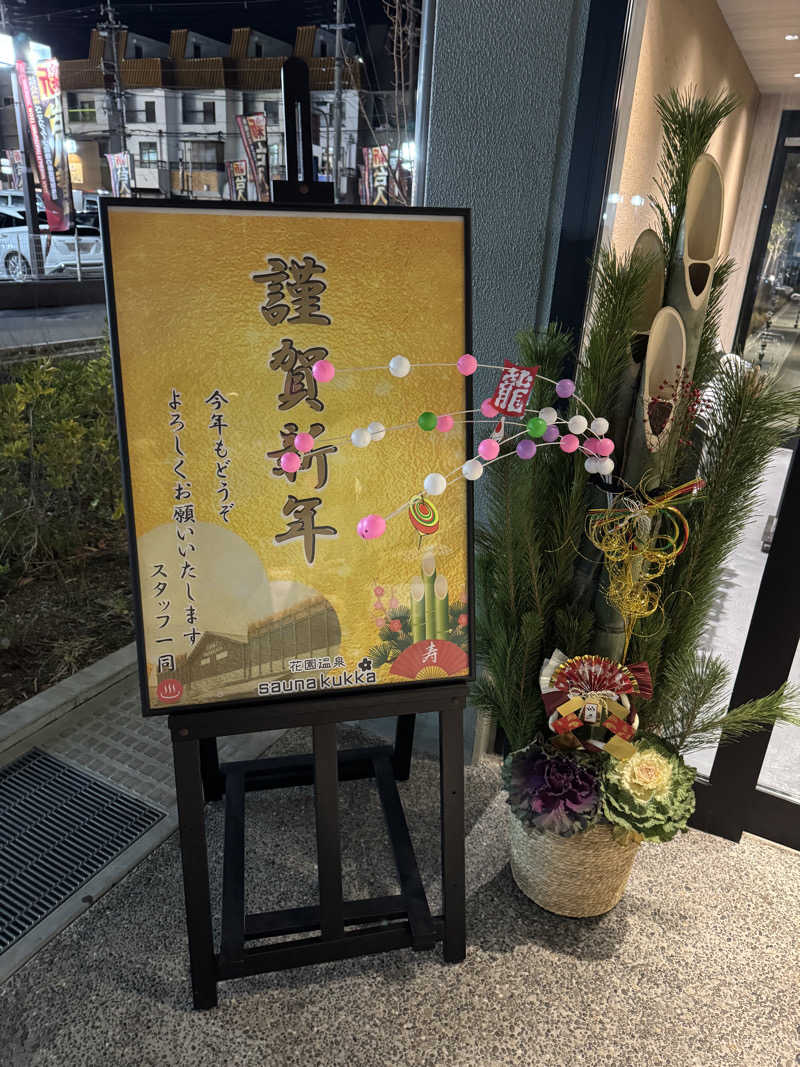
{"x":120,"y":171}
{"x":237,"y":179}
{"x":41,"y":97}
{"x":253,"y":130}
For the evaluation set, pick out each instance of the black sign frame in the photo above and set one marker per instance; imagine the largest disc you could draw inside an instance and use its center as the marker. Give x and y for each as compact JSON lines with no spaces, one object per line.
{"x":173,"y":204}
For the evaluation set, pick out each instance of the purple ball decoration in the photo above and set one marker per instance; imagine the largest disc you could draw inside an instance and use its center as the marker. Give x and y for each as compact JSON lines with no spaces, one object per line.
{"x":552,"y":433}
{"x":565,"y":388}
{"x":569,"y":443}
{"x":526,"y":449}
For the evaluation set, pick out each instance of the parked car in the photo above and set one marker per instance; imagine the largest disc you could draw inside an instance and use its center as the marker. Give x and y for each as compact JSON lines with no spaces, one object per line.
{"x":16,"y":198}
{"x":59,"y":253}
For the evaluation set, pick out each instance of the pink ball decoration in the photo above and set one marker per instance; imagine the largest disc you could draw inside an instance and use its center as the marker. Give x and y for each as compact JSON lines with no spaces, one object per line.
{"x":290,"y":462}
{"x":526,"y":449}
{"x":552,"y":433}
{"x":323,"y":371}
{"x":605,"y":446}
{"x":489,"y":449}
{"x":467,"y":364}
{"x":565,"y":388}
{"x":303,"y":442}
{"x":590,"y":445}
{"x":445,"y":422}
{"x":371,"y":526}
{"x":488,"y":409}
{"x":568,"y":443}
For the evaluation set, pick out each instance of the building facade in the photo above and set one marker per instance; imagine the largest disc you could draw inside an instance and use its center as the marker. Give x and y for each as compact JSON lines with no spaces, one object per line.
{"x":174,"y":108}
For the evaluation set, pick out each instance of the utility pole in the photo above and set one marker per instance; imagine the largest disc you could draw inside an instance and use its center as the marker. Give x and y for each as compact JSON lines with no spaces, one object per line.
{"x":109,"y":28}
{"x":337,"y":102}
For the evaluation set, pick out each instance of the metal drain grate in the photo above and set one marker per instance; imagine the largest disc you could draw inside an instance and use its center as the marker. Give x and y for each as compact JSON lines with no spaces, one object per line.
{"x":58,"y":828}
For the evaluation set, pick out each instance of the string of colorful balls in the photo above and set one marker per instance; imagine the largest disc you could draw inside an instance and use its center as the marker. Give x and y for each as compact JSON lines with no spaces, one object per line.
{"x":541,"y":426}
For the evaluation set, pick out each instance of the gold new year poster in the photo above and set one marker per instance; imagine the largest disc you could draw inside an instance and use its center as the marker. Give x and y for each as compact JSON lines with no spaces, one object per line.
{"x":267,"y":442}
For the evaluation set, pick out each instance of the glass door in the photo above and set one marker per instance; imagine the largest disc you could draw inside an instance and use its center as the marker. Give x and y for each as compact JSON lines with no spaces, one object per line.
{"x":754,"y":785}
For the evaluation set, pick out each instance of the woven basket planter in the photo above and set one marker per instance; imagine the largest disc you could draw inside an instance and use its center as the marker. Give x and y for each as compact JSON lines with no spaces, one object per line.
{"x":579,"y":876}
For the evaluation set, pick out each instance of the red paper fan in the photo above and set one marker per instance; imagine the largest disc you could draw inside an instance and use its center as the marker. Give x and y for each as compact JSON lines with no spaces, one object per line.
{"x":431,"y":659}
{"x":596,"y":674}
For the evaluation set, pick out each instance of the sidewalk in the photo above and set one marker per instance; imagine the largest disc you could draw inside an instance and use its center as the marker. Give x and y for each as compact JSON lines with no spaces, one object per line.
{"x":108,"y":738}
{"x":685,"y":972}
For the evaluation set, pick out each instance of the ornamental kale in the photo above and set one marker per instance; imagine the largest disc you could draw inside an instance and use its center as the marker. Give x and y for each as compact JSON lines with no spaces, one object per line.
{"x":650,"y":795}
{"x":551,"y":792}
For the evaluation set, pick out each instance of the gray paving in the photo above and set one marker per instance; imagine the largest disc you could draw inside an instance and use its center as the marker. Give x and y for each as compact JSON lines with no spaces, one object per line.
{"x":36,"y":326}
{"x":696,"y":967}
{"x":109,"y":738}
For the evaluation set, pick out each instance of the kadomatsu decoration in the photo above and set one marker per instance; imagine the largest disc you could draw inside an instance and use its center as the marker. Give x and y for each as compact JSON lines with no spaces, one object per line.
{"x":595,"y":581}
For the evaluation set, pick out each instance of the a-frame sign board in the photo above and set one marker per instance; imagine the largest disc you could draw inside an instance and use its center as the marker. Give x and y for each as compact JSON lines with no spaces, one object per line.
{"x":257,"y":604}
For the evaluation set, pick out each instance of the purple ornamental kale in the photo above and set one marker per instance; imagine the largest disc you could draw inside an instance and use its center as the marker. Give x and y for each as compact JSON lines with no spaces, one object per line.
{"x":551,"y":792}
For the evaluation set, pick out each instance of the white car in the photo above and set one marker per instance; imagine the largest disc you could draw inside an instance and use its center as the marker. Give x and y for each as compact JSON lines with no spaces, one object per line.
{"x":59,"y":253}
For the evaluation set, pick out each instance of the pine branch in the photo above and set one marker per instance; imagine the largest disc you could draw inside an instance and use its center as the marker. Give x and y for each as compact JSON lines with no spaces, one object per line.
{"x":699,"y":687}
{"x":688,"y":123}
{"x":619,"y":285}
{"x":749,"y":416}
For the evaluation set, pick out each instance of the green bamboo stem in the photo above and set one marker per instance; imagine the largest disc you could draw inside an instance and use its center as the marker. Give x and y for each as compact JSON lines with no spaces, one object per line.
{"x":429,"y":580}
{"x":417,"y":609}
{"x":441,"y":607}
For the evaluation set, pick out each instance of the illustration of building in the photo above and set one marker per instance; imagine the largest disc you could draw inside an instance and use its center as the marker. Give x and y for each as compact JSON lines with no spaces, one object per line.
{"x":308,"y":630}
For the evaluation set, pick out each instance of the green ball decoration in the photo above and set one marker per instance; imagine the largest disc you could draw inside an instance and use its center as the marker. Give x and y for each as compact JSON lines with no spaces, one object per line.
{"x":536,"y":426}
{"x":427,"y":421}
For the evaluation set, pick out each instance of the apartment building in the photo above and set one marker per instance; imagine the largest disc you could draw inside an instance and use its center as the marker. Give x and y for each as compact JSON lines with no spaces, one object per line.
{"x":177,"y":114}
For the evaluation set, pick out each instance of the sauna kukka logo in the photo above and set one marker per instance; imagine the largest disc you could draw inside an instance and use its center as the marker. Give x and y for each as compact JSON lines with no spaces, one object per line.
{"x":323,"y":681}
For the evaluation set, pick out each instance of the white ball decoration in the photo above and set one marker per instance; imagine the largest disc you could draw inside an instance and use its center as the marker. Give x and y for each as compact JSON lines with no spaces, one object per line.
{"x":472,"y":470}
{"x":577,"y":424}
{"x":435,"y":484}
{"x":360,"y":437}
{"x":399,"y":366}
{"x":377,"y":431}
{"x":599,"y":427}
{"x":549,"y":415}
{"x":591,"y":463}
{"x":606,"y":466}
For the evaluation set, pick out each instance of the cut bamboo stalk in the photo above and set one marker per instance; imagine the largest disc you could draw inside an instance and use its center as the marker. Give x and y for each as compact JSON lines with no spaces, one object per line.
{"x":441,"y":608}
{"x":417,"y":609}
{"x":696,"y":252}
{"x":648,"y":247}
{"x":429,"y":580}
{"x":652,"y":422}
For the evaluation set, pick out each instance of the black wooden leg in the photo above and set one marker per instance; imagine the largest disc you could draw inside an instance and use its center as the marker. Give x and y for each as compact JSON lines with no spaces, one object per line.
{"x":403,"y":746}
{"x":329,"y":860}
{"x":451,"y":778}
{"x":194,"y":855}
{"x":213,"y":781}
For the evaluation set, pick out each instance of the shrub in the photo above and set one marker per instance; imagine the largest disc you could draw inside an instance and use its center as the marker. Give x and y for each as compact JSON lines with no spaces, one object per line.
{"x":59,"y":461}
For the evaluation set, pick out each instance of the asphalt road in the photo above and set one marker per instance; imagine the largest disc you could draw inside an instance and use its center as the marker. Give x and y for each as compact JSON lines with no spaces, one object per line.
{"x":32,"y":326}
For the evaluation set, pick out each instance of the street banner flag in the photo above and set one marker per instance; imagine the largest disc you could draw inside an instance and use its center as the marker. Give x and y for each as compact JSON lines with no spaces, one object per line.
{"x":253,"y":130}
{"x":40,"y":88}
{"x":14,"y":156}
{"x":120,"y":171}
{"x":237,"y":179}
